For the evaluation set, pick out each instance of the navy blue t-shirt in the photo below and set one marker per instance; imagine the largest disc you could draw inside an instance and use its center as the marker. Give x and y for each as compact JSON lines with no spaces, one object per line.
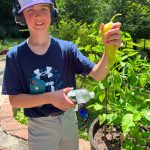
{"x":29,"y":73}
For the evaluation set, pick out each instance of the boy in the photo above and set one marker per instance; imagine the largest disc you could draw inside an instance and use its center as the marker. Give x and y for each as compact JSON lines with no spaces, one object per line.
{"x":40,"y":72}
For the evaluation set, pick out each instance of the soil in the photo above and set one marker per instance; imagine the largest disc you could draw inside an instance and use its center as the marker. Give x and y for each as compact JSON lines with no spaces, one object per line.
{"x":108,"y":143}
{"x":112,"y":140}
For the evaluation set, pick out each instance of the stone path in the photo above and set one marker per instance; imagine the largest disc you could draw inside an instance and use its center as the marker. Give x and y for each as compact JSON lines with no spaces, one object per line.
{"x":13,"y":136}
{"x":9,"y":142}
{"x":2,"y":65}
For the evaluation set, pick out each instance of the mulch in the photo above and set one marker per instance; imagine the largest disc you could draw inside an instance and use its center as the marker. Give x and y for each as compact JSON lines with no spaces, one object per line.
{"x":3,"y":52}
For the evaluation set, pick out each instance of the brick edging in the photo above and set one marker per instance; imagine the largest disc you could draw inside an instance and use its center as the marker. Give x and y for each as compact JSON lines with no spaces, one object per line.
{"x":9,"y":124}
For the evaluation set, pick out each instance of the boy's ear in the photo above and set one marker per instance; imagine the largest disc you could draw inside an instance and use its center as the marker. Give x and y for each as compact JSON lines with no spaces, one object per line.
{"x":19,"y":18}
{"x":54,"y":16}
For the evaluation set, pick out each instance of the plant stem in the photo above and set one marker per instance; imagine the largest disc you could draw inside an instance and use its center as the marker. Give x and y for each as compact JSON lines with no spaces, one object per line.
{"x":106,"y":101}
{"x":122,"y":140}
{"x":112,"y":133}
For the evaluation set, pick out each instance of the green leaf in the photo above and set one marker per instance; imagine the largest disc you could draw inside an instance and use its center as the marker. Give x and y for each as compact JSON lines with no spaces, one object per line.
{"x":143,"y":79}
{"x":102,"y":96}
{"x":144,"y":111}
{"x":87,"y":48}
{"x":92,"y":57}
{"x":122,"y":64}
{"x":97,"y":49}
{"x":133,"y":44}
{"x":127,"y":34}
{"x":102,"y":118}
{"x":128,"y":50}
{"x":98,"y":107}
{"x":132,"y":78}
{"x":130,"y":97}
{"x":111,"y":118}
{"x":105,"y":83}
{"x":147,"y":100}
{"x":92,"y":34}
{"x":124,"y":57}
{"x":101,"y":85}
{"x":117,"y":79}
{"x":127,"y":122}
{"x":137,"y":117}
{"x":131,"y":108}
{"x":133,"y":53}
{"x":147,"y":116}
{"x":128,"y":144}
{"x":146,"y":134}
{"x":91,"y":106}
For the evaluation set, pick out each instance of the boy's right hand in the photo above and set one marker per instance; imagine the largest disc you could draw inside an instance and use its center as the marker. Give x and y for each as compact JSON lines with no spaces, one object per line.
{"x":60,"y":100}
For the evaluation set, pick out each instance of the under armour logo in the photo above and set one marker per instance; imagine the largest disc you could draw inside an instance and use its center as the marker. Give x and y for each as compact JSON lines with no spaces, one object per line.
{"x":40,"y":74}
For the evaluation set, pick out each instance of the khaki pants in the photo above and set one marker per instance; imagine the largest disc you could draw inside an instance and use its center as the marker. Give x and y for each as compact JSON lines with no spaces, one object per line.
{"x":54,"y":133}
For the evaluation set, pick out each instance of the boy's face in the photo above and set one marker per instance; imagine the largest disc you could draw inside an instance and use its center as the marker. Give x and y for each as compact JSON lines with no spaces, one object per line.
{"x":38,"y":17}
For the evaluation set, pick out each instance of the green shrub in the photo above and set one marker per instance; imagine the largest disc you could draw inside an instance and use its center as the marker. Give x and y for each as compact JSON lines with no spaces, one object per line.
{"x":85,"y":36}
{"x":19,"y":115}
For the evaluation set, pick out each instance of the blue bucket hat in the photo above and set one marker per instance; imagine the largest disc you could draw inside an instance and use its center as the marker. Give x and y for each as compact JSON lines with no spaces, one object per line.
{"x":27,"y":3}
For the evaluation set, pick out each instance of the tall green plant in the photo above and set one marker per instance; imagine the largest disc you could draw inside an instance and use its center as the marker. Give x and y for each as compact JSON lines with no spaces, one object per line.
{"x":123,"y":97}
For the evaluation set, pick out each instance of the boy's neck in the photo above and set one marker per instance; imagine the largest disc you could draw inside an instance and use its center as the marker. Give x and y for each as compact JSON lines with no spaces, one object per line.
{"x":39,"y":43}
{"x":39,"y":39}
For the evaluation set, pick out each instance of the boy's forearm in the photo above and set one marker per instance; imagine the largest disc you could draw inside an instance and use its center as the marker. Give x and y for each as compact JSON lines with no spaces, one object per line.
{"x":100,"y":71}
{"x":28,"y":100}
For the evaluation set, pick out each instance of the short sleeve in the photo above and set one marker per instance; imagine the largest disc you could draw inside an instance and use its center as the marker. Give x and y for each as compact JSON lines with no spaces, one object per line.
{"x":11,"y":84}
{"x":81,"y":64}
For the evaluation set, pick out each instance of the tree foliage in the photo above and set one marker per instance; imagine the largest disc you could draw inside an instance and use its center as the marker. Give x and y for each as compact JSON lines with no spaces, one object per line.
{"x":80,"y":10}
{"x":135,"y":17}
{"x":8,"y":27}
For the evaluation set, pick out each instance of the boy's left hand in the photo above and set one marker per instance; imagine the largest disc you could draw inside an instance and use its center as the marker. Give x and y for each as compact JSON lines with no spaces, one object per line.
{"x":113,"y":36}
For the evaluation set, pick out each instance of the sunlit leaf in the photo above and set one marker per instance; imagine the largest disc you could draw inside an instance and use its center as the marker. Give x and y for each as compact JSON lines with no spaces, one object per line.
{"x":102,"y":96}
{"x":102,"y":118}
{"x":131,"y":108}
{"x":127,"y":122}
{"x":101,"y":85}
{"x":111,"y":118}
{"x":137,"y":116}
{"x":147,"y":100}
{"x":98,"y":107}
{"x":147,"y":116}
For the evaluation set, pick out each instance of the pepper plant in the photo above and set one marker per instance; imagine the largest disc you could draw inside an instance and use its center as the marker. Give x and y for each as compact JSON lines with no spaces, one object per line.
{"x":123,"y":98}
